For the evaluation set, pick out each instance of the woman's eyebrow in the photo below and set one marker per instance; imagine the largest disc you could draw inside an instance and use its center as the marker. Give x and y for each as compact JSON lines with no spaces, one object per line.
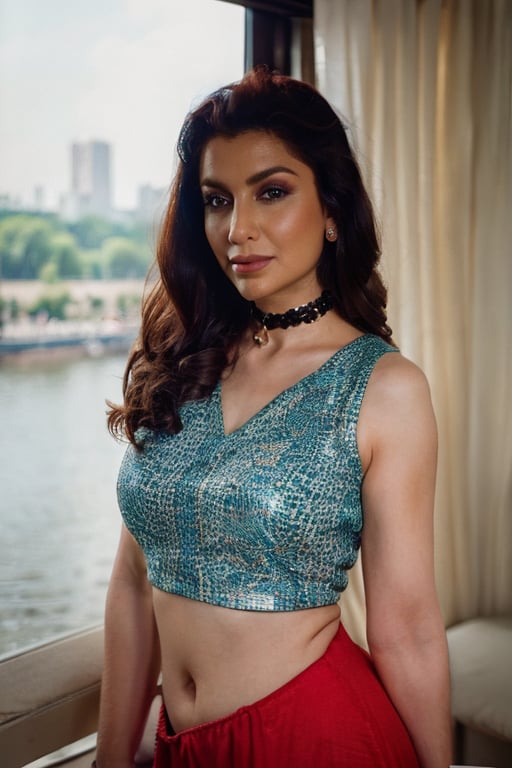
{"x":268,"y":172}
{"x":254,"y":179}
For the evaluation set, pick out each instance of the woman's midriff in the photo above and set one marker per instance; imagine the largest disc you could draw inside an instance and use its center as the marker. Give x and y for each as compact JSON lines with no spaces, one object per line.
{"x":216,"y":660}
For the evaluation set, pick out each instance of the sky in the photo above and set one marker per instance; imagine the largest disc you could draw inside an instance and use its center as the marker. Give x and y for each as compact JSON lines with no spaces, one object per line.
{"x":121,"y":71}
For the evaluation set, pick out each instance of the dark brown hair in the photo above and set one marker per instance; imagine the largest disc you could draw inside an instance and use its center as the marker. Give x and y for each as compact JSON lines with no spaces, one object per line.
{"x":193,"y":317}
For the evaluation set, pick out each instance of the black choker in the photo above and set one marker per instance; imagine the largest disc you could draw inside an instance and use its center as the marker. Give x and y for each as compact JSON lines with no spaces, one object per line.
{"x":306,"y":313}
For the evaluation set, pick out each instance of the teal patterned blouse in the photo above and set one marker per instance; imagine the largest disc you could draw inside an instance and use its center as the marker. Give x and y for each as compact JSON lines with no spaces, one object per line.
{"x":267,"y":518}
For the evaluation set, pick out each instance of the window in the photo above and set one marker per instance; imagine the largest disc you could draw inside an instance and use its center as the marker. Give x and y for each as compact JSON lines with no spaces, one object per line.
{"x":93,"y":94}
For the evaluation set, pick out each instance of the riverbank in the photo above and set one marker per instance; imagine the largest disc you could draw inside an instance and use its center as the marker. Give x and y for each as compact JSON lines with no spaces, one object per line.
{"x":83,"y":293}
{"x":31,"y":340}
{"x":100,"y":316}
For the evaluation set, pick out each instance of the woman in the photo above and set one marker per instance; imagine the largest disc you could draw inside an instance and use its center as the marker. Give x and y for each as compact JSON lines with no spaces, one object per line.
{"x":269,"y":412}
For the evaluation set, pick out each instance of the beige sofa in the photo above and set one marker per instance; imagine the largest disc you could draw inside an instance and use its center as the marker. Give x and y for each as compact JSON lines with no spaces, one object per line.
{"x":481,"y":670}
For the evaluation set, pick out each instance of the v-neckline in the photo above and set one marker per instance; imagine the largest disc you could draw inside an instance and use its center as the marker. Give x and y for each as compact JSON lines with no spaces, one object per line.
{"x":218,"y":392}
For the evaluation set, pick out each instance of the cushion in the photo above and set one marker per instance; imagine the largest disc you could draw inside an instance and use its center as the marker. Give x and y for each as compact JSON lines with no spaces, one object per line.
{"x":481,"y":672}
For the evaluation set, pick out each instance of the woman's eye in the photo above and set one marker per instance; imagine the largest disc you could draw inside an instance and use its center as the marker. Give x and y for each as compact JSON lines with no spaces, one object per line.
{"x":214,"y":201}
{"x":273,"y":193}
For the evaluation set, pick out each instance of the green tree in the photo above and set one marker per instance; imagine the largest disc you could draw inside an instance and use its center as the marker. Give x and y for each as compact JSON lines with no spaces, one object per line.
{"x":25,"y":246}
{"x":96,"y":304}
{"x":49,"y":273}
{"x":66,"y":256}
{"x":124,"y":258}
{"x":52,"y":304}
{"x":42,"y":246}
{"x":92,"y":264}
{"x":90,"y":231}
{"x":128,"y":305}
{"x":14,"y":308}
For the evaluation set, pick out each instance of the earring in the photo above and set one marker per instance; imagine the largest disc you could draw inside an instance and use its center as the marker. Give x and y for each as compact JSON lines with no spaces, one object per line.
{"x":331,"y":234}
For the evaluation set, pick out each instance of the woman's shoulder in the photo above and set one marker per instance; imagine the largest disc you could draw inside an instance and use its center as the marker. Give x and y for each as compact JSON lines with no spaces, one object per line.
{"x":396,"y":376}
{"x":397,"y":412}
{"x":398,"y":392}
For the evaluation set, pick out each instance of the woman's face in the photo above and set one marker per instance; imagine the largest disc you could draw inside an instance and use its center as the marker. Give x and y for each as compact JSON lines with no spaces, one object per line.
{"x":263,"y":218}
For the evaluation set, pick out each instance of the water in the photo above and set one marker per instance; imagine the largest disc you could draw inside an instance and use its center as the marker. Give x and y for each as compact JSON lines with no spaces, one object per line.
{"x":59,"y":522}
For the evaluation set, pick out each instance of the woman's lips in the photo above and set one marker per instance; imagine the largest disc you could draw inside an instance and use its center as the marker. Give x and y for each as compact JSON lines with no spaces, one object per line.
{"x":252,"y":264}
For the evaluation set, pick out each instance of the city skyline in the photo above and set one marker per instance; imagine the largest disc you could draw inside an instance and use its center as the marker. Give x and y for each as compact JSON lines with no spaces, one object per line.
{"x":88,"y":191}
{"x":123,"y":72}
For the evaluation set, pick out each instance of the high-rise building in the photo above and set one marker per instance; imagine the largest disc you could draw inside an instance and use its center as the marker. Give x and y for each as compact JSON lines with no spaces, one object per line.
{"x":150,"y":203}
{"x":39,"y":198}
{"x":91,"y":178}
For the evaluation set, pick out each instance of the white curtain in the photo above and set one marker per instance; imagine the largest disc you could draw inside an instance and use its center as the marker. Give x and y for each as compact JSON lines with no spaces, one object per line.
{"x":425,"y":89}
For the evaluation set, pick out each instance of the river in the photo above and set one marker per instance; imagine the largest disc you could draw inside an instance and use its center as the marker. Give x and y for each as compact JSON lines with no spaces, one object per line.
{"x":59,"y":522}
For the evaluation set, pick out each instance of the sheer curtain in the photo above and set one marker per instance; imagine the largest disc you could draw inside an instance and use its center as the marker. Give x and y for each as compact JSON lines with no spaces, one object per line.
{"x":425,"y":89}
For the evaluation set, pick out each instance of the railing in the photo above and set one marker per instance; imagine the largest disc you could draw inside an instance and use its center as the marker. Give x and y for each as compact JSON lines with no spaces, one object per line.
{"x":49,"y":697}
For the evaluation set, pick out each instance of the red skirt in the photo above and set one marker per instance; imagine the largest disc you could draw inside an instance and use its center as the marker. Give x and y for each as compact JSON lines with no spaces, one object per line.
{"x":334,"y":714}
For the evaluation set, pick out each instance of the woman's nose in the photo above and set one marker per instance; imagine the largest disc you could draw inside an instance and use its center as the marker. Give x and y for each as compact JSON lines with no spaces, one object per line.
{"x":243,"y":225}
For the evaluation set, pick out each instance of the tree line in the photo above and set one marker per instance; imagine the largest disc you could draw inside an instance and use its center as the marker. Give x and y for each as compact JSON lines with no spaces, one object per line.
{"x":45,"y":247}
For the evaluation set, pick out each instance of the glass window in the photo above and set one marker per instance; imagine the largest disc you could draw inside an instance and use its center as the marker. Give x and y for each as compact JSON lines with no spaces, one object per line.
{"x":93,"y":94}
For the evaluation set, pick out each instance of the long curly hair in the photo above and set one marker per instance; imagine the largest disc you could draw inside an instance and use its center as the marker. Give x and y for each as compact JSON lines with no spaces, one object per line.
{"x":193,"y":318}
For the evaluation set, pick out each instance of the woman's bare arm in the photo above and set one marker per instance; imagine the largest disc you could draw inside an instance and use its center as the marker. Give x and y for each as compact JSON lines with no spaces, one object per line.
{"x":405,"y":630}
{"x":132,"y":658}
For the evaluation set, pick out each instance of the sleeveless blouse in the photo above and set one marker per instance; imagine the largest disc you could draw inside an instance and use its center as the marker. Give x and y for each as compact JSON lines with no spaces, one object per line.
{"x":265,"y":518}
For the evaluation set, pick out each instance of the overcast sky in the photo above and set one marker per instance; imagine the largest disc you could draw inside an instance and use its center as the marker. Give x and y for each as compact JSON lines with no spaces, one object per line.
{"x":122,"y":71}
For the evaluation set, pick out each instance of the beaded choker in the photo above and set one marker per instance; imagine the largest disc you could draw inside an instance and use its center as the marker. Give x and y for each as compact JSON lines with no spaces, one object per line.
{"x":306,"y":313}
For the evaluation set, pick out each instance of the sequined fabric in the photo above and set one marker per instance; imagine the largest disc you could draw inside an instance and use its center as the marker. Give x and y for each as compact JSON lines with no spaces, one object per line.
{"x":268,"y":517}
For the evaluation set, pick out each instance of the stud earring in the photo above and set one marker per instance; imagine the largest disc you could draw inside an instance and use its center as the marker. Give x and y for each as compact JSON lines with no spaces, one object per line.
{"x":331,"y":234}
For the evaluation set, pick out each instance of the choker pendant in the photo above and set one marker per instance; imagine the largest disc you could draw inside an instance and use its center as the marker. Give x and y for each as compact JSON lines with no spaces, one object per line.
{"x":261,"y":337}
{"x":305,"y":313}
